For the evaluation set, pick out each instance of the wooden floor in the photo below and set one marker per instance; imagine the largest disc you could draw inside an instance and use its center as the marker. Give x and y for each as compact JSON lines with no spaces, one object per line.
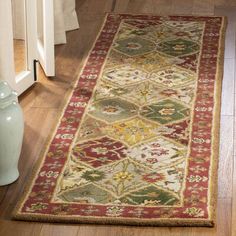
{"x":42,"y":102}
{"x":19,"y":55}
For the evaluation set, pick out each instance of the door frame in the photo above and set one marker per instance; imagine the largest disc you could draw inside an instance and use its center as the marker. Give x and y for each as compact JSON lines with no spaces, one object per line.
{"x":26,"y":78}
{"x":46,"y":54}
{"x":35,"y":51}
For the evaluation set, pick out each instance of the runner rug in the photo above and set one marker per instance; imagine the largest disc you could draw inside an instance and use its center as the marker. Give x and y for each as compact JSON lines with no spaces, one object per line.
{"x":137,"y":142}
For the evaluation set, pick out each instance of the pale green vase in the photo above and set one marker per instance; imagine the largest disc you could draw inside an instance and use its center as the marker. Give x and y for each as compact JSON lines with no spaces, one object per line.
{"x":11,"y":134}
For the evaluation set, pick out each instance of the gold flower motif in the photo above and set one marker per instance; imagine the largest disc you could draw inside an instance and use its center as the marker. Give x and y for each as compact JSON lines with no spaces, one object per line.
{"x":122,"y":176}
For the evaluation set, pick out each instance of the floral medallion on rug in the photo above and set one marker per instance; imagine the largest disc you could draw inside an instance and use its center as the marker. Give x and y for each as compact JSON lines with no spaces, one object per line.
{"x":137,"y":141}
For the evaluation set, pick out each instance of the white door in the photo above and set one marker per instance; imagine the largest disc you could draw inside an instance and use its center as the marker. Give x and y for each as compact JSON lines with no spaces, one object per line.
{"x":19,"y":42}
{"x":45,"y":41}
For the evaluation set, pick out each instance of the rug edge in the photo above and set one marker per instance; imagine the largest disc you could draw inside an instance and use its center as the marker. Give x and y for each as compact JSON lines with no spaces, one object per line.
{"x":116,"y":221}
{"x":68,"y":94}
{"x":216,"y":144}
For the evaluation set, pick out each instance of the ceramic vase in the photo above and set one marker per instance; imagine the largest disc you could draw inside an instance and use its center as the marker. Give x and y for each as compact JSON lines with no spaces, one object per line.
{"x":11,"y":134}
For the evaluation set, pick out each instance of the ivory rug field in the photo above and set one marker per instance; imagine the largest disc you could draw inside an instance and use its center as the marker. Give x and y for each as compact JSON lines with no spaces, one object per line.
{"x":137,"y":141}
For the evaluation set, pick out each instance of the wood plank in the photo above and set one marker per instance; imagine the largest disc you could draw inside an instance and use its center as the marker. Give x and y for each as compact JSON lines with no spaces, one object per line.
{"x":227,"y":104}
{"x":225,"y":170}
{"x":78,"y":44}
{"x":203,"y":7}
{"x":58,"y":230}
{"x":182,"y":7}
{"x":159,"y":7}
{"x":121,"y":6}
{"x":49,"y":96}
{"x":97,"y":7}
{"x":230,"y":41}
{"x":233,"y":222}
{"x":223,"y":227}
{"x":226,"y":3}
{"x":14,"y":228}
{"x":3,"y":192}
{"x":147,"y":6}
{"x":224,"y":10}
{"x":230,"y":31}
{"x":163,"y":7}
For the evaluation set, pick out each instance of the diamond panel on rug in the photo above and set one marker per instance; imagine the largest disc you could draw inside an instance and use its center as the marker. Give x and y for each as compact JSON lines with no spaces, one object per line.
{"x":137,"y":141}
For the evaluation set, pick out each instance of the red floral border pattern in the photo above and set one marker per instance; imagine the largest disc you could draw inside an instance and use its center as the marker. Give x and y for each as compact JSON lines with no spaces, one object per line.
{"x":202,"y":148}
